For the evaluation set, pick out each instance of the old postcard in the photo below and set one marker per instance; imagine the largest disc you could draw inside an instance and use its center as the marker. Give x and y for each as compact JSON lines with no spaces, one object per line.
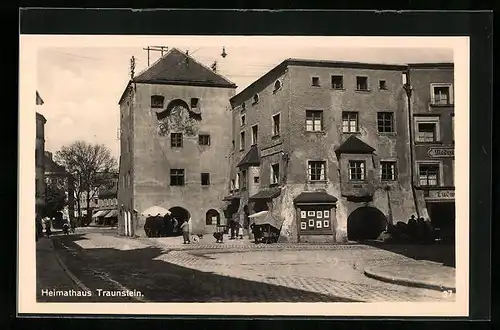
{"x":256,"y":175}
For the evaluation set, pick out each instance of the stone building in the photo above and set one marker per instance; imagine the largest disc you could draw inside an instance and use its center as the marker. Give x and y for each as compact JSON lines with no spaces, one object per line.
{"x":324,"y":146}
{"x":432,"y":108}
{"x":175,"y":143}
{"x":106,"y":212}
{"x":39,"y":159}
{"x":56,"y":174}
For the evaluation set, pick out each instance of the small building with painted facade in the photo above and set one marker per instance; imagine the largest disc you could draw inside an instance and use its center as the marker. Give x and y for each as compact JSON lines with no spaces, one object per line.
{"x":432,"y":108}
{"x":175,"y":140}
{"x":324,"y":146}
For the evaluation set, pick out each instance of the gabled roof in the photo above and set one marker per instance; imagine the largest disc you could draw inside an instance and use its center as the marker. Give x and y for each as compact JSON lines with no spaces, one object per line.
{"x":353,"y":145}
{"x":178,"y":67}
{"x":252,"y":158}
{"x":267,"y":193}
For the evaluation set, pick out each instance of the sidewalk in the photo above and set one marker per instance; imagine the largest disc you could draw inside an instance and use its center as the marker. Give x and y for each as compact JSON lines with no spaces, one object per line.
{"x":50,"y":275}
{"x":421,"y":274}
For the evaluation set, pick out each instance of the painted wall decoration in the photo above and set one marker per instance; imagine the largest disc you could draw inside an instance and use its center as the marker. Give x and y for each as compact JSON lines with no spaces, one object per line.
{"x":179,"y":119}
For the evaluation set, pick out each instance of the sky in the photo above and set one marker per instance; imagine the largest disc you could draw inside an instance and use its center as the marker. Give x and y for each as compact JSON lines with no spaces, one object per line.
{"x":81,"y":86}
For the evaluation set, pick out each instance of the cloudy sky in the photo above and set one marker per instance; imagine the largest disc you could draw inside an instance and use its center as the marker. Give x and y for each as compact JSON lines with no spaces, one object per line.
{"x":81,"y":86}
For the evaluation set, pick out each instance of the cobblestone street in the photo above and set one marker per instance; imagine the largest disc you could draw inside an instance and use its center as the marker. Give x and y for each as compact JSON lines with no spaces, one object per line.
{"x":246,"y":273}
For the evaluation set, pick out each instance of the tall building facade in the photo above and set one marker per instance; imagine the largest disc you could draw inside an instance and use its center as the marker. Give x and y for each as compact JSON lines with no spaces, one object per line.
{"x":324,"y":146}
{"x":39,"y":159}
{"x":175,"y":142}
{"x":433,"y":117}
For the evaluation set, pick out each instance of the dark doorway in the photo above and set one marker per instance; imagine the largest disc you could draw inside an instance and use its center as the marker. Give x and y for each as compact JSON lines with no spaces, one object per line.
{"x":443,"y":218}
{"x":365,"y":223}
{"x":176,"y":217}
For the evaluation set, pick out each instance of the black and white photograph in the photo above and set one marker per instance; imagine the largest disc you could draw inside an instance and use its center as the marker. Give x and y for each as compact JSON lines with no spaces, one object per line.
{"x":175,"y":170}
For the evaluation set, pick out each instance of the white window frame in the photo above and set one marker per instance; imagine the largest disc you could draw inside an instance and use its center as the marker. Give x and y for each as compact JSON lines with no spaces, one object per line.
{"x":273,"y":179}
{"x":279,"y":123}
{"x":363,"y":169}
{"x":367,"y":83}
{"x":314,"y":120}
{"x":430,"y":162}
{"x":243,"y":120}
{"x":427,"y":120}
{"x":308,"y":166}
{"x":255,"y":139}
{"x":331,"y":81}
{"x":349,"y":122}
{"x":451,"y":96}
{"x":237,"y":181}
{"x":395,"y":171}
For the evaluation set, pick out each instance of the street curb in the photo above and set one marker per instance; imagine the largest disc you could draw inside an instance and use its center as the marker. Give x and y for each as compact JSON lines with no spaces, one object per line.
{"x":66,"y":270}
{"x":77,"y":281}
{"x":407,"y":282}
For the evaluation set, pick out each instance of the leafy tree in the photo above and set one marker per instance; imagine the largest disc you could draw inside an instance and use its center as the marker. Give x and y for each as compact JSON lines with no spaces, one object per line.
{"x":92,"y":167}
{"x":55,"y":197}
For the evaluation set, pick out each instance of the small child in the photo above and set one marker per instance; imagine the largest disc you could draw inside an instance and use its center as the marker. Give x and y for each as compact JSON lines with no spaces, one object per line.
{"x":185,"y":232}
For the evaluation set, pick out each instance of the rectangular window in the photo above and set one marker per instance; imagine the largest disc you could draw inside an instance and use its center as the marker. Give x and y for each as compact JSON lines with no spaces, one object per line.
{"x":275,"y":173}
{"x":205,"y":179}
{"x":361,"y":83}
{"x":157,"y":101}
{"x":243,"y":106}
{"x":388,"y":171}
{"x":428,"y":174}
{"x":426,"y":132}
{"x":385,"y":122}
{"x":237,"y":182}
{"x":242,"y":140}
{"x":337,"y":82}
{"x":349,"y":122}
{"x":233,"y":185}
{"x":356,"y":170}
{"x":242,"y":120}
{"x":255,"y":132}
{"x":276,"y":124}
{"x":243,"y":179}
{"x":194,"y":103}
{"x":382,"y":84}
{"x":314,"y":120}
{"x":204,"y":140}
{"x":177,"y":177}
{"x":316,"y":170}
{"x":256,"y":179}
{"x":441,"y":95}
{"x":315,"y":81}
{"x":176,"y":140}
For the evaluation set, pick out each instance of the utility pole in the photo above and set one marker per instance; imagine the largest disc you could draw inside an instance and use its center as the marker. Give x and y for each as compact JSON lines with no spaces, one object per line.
{"x":161,"y":49}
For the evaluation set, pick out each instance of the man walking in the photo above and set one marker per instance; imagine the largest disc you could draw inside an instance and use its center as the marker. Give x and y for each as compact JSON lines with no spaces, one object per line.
{"x":185,"y":232}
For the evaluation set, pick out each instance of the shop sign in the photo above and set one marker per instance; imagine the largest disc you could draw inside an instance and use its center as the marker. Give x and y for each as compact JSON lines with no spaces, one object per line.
{"x":442,"y":194}
{"x":441,"y":152}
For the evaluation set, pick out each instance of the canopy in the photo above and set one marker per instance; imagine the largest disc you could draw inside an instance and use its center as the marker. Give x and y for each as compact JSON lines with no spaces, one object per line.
{"x":154,"y":211}
{"x":111,"y":214}
{"x":100,"y":213}
{"x":266,"y":218}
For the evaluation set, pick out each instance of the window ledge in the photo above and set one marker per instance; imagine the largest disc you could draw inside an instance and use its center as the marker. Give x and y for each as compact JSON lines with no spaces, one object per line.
{"x":429,"y":143}
{"x":241,"y":150}
{"x":447,"y":105}
{"x":342,"y":89}
{"x":316,"y":132}
{"x":317,"y":181}
{"x":273,"y":184}
{"x":315,"y":85}
{"x":387,"y":133}
{"x":383,"y":89}
{"x":277,"y":136}
{"x":363,"y":90}
{"x":351,"y":132}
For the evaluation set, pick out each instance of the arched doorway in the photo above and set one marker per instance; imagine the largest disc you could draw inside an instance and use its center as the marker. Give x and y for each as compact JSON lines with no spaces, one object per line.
{"x":365,"y":223}
{"x":212,"y":217}
{"x":180,"y":215}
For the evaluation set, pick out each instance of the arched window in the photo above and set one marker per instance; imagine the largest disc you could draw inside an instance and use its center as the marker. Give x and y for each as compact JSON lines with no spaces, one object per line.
{"x":277,"y":85}
{"x":212,"y":217}
{"x":157,"y":101}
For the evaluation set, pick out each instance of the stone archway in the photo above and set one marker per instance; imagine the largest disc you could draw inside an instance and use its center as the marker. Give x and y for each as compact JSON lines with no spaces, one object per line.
{"x":365,"y":223}
{"x":212,"y":217}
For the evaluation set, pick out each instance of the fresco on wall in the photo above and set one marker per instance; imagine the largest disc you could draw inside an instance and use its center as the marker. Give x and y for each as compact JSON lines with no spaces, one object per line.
{"x":178,"y":120}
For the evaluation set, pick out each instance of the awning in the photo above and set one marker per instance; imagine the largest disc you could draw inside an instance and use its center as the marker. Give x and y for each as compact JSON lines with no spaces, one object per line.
{"x":155,"y":210}
{"x":266,"y":218}
{"x":100,"y":213}
{"x":111,"y":214}
{"x":266,"y":194}
{"x":314,"y":198}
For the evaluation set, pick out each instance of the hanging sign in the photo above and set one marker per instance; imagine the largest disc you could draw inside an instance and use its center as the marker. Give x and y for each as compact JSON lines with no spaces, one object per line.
{"x":440,"y":152}
{"x":442,"y":194}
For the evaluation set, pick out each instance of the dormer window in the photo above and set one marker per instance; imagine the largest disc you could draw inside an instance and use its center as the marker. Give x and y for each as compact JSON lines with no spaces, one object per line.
{"x":157,"y":101}
{"x":256,"y":98}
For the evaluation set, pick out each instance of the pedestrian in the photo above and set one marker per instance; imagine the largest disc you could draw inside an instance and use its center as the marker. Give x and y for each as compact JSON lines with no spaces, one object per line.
{"x":185,"y":232}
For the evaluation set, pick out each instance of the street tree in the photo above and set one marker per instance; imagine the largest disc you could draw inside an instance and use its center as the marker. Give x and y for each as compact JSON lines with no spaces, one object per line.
{"x":55,"y":197}
{"x":92,"y":167}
